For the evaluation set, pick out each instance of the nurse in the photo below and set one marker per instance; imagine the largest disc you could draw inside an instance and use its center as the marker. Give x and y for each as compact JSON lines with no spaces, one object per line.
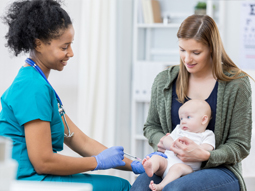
{"x":30,"y":114}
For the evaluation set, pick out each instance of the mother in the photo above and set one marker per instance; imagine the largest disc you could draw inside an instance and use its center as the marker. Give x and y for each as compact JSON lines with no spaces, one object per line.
{"x":205,"y":72}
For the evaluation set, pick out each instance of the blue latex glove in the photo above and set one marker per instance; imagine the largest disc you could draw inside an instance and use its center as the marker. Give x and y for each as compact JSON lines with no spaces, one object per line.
{"x":110,"y":158}
{"x":157,"y":153}
{"x":137,"y":167}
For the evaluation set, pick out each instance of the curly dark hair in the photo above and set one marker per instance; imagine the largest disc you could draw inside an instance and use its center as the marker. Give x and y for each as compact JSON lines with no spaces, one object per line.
{"x":29,"y":20}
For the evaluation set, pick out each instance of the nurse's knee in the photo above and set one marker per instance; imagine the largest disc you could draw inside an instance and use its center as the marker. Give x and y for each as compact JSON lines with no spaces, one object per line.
{"x":121,"y":184}
{"x":125,"y":185}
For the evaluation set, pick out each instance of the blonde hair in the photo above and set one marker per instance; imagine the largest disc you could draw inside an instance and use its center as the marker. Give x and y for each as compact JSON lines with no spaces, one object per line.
{"x":203,"y":29}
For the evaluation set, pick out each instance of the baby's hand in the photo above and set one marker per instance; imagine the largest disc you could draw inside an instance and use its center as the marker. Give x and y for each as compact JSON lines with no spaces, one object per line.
{"x":182,"y":142}
{"x":161,"y":147}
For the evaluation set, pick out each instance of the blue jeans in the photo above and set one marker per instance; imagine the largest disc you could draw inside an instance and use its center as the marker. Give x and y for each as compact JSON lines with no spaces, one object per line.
{"x":213,"y":179}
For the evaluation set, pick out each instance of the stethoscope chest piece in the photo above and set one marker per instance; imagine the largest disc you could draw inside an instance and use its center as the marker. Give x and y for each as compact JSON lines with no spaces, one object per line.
{"x":62,"y":113}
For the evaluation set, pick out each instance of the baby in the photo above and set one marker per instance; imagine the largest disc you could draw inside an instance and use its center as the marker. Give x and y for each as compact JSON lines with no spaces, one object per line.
{"x":194,"y":117}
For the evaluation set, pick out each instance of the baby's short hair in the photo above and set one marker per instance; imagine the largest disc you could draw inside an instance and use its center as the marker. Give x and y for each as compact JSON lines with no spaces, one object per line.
{"x":199,"y":105}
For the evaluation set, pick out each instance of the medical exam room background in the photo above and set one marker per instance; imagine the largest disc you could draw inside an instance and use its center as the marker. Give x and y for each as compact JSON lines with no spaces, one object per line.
{"x":95,"y":86}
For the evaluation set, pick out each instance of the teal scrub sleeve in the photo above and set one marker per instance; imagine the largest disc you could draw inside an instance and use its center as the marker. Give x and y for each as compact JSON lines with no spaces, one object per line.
{"x":32,"y":101}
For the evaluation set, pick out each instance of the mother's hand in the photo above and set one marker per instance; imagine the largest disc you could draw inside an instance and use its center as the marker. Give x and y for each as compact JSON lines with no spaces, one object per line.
{"x":188,"y":151}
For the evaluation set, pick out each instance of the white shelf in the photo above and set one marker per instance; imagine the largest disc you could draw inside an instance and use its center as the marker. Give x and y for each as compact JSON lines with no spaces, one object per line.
{"x":164,"y":52}
{"x":140,"y":137}
{"x":142,"y":99}
{"x":163,"y":63}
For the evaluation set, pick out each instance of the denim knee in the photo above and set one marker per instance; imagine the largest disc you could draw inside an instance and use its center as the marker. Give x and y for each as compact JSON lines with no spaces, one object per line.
{"x":142,"y":182}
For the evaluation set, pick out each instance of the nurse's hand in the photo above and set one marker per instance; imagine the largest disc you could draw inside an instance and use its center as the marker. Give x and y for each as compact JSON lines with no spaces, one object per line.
{"x":160,"y":145}
{"x":110,"y":158}
{"x":137,"y":167}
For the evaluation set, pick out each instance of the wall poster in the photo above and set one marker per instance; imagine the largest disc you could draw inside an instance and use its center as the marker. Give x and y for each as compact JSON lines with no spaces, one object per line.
{"x":247,"y":46}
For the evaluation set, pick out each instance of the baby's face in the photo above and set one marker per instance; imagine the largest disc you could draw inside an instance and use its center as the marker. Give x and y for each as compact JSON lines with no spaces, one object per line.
{"x":191,"y":121}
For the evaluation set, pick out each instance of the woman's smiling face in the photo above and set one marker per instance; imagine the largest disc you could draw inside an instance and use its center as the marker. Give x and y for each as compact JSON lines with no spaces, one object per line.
{"x":55,"y":54}
{"x":196,"y":56}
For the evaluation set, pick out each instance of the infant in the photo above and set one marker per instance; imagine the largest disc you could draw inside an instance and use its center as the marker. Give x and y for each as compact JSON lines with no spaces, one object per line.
{"x":194,"y":117}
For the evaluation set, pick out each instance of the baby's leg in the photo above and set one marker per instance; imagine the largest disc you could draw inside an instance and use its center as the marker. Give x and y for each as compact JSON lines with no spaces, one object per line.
{"x":156,"y":164}
{"x":175,"y":171}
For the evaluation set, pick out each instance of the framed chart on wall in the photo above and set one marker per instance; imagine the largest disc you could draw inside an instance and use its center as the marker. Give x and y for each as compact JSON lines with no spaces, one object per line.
{"x":247,"y":46}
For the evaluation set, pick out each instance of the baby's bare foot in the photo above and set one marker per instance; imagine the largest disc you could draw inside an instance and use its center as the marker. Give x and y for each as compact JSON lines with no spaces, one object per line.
{"x":147,"y":165}
{"x":154,"y":187}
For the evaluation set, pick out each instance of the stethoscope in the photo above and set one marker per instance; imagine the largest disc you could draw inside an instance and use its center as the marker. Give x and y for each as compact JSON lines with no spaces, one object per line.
{"x":60,"y":105}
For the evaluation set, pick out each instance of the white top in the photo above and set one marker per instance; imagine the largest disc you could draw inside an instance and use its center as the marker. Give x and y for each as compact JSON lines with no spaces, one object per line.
{"x":199,"y":138}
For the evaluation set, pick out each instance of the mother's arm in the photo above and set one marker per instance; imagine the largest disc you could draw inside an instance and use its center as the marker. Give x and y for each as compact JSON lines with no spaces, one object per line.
{"x":152,"y":128}
{"x":238,"y":142}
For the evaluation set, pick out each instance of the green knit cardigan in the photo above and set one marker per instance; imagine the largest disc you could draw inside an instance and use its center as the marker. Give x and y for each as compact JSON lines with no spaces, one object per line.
{"x":233,"y":123}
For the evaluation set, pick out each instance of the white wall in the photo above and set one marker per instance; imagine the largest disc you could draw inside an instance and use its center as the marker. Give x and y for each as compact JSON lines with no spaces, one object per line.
{"x":123,"y":76}
{"x":8,"y":66}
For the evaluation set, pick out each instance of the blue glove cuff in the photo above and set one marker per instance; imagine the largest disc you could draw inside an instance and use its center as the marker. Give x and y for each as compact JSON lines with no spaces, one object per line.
{"x":97,"y":163}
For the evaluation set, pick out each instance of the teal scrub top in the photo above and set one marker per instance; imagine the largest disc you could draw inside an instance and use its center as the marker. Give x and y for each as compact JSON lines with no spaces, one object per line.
{"x":29,"y":98}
